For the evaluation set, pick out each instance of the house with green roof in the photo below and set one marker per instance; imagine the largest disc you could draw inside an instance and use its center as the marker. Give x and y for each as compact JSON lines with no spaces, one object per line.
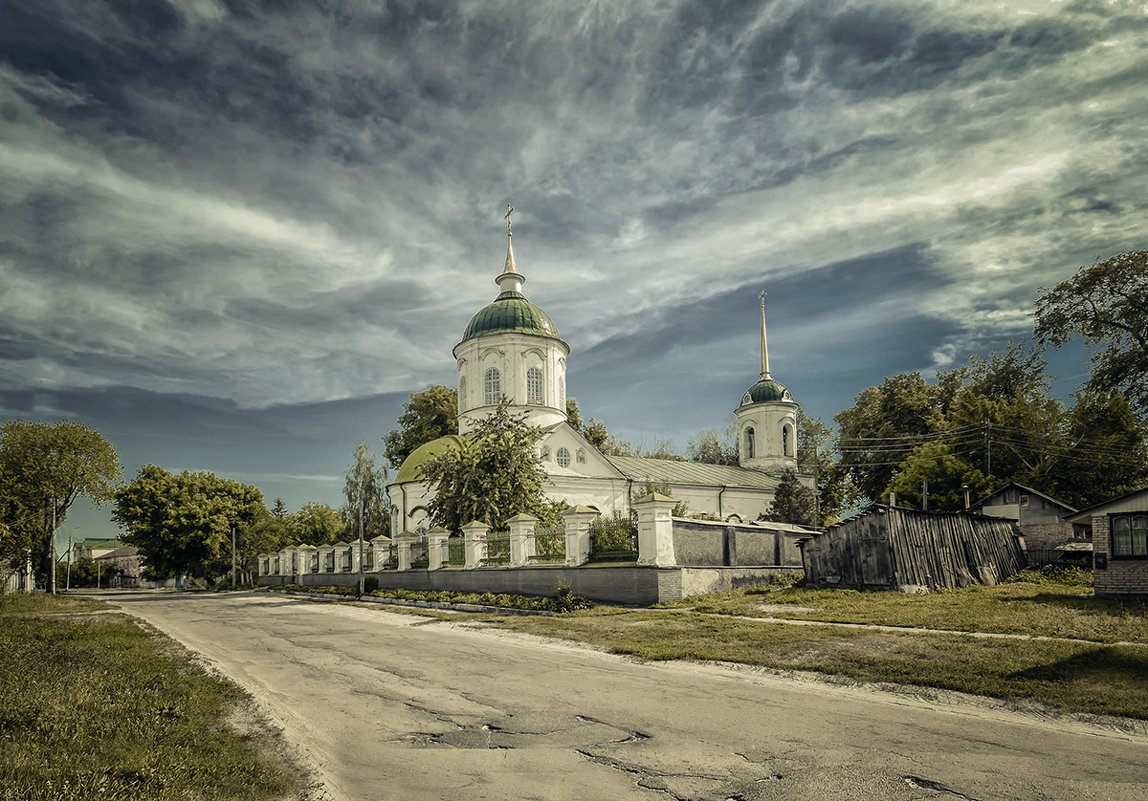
{"x":512,"y":348}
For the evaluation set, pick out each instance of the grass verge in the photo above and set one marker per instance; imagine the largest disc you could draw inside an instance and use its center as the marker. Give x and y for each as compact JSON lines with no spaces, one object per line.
{"x":1072,"y":677}
{"x":1035,"y":607}
{"x":93,"y":706}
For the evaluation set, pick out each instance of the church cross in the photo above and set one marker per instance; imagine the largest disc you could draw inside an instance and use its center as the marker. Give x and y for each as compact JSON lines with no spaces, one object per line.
{"x":509,"y":211}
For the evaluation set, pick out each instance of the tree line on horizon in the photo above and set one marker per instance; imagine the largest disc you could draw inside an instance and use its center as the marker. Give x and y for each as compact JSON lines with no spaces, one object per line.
{"x":980,"y":426}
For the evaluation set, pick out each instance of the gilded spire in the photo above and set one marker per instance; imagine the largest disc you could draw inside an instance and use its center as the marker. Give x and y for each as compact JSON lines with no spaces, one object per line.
{"x":510,"y":270}
{"x":764,"y":347}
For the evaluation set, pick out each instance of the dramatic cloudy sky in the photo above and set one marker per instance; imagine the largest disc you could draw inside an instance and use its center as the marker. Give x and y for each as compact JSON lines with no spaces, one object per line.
{"x":235,"y":236}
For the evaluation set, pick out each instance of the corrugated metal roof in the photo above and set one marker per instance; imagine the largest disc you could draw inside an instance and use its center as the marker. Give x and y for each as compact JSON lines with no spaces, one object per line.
{"x":710,"y":475}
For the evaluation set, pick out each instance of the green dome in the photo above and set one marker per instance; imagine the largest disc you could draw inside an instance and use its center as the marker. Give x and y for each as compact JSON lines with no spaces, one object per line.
{"x":764,"y":391}
{"x":411,"y":469}
{"x":510,"y":313}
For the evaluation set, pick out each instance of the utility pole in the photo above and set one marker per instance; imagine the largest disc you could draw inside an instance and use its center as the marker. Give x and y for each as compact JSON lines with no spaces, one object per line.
{"x":362,"y":504}
{"x":68,"y":580}
{"x":924,"y":495}
{"x":233,"y":557}
{"x":52,"y":549}
{"x":988,"y":439}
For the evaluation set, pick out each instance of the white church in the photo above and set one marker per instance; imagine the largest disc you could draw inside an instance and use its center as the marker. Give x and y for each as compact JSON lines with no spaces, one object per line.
{"x":512,"y":348}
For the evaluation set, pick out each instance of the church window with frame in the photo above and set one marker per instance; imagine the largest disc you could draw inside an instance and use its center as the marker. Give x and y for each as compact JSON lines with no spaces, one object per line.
{"x":1129,"y":535}
{"x":462,"y":394}
{"x":493,"y":386}
{"x":534,"y":385}
{"x":787,"y":440}
{"x":749,"y":443}
{"x":563,"y":457}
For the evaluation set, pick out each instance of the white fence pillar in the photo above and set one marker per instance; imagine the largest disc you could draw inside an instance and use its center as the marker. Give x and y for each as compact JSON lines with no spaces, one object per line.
{"x":474,"y":541}
{"x":521,"y":538}
{"x":655,"y":530}
{"x":403,"y":547}
{"x":577,"y":521}
{"x":436,"y":548}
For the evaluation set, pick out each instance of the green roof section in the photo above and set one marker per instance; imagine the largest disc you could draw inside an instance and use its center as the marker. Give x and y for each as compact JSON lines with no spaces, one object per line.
{"x":765,"y":391}
{"x":411,"y":468}
{"x":659,"y":471}
{"x":510,"y":313}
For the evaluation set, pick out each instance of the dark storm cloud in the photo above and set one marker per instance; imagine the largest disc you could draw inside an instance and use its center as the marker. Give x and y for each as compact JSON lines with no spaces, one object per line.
{"x":288,"y":203}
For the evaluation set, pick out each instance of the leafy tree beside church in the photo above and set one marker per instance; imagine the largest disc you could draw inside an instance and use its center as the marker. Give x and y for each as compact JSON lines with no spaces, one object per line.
{"x":428,"y":415}
{"x":494,"y":474}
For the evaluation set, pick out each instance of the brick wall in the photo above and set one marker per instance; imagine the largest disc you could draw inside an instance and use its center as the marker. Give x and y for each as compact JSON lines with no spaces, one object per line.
{"x":1120,"y":577}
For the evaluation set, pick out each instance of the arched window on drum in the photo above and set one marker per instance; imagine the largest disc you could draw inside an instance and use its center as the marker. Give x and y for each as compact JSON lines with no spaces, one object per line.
{"x":534,"y":385}
{"x":492,"y":381}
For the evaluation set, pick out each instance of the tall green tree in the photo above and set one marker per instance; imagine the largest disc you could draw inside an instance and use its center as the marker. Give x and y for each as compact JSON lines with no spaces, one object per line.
{"x":880,"y":430}
{"x":574,"y":415}
{"x":710,"y":446}
{"x":279,"y":509}
{"x":1107,"y":305}
{"x":365,"y":493}
{"x":493,"y":475}
{"x":44,"y":468}
{"x":1102,"y":452}
{"x":793,"y":502}
{"x":182,"y":524}
{"x":317,"y":524}
{"x":946,"y":477}
{"x":428,"y":415}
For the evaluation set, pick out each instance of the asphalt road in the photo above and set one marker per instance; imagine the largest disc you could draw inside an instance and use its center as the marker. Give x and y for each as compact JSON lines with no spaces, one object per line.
{"x":390,"y":706}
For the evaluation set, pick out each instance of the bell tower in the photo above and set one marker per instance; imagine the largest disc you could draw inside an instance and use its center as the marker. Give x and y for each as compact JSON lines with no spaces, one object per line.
{"x":767,"y":420}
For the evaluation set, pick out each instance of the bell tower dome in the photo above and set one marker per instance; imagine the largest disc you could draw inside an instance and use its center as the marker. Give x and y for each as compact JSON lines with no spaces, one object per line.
{"x":767,"y":420}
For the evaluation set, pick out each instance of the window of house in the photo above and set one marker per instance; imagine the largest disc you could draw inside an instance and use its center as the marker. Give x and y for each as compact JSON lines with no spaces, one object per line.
{"x":749,"y":443}
{"x":1024,"y":500}
{"x":462,"y":394}
{"x":534,"y":385}
{"x":493,"y":386}
{"x":1129,"y":535}
{"x":563,"y":457}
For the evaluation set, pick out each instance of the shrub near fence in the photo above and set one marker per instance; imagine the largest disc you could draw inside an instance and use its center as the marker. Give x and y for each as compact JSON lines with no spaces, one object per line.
{"x":613,"y":539}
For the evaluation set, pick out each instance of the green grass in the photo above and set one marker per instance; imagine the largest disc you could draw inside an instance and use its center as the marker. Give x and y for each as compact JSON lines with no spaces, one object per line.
{"x":1043,"y":607}
{"x":1073,"y":677}
{"x":94,"y":706}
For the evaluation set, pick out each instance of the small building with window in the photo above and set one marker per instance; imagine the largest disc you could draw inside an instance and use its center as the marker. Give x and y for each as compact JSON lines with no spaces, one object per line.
{"x":511,"y":349}
{"x":1048,"y":536}
{"x":1119,"y":545}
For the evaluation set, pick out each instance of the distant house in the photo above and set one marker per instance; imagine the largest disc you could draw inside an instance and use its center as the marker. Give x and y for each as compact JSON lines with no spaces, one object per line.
{"x":1048,"y":536}
{"x":1120,"y":545}
{"x":126,"y":563}
{"x":890,"y":547}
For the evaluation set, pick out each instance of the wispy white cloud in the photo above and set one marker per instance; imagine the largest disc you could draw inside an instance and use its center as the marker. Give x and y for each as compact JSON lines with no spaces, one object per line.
{"x":299,"y":204}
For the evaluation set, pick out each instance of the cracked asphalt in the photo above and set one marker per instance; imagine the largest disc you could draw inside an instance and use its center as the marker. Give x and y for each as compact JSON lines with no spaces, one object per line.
{"x":387,"y":706}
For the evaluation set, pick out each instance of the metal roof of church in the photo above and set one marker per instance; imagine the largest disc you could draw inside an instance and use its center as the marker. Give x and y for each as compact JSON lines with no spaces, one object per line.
{"x":710,"y":475}
{"x":510,"y":312}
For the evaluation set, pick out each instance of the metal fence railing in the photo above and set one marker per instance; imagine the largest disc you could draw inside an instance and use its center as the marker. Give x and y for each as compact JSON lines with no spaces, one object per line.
{"x":613,"y":539}
{"x":550,"y":543}
{"x":455,"y":551}
{"x":497,"y":547}
{"x":420,"y":558}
